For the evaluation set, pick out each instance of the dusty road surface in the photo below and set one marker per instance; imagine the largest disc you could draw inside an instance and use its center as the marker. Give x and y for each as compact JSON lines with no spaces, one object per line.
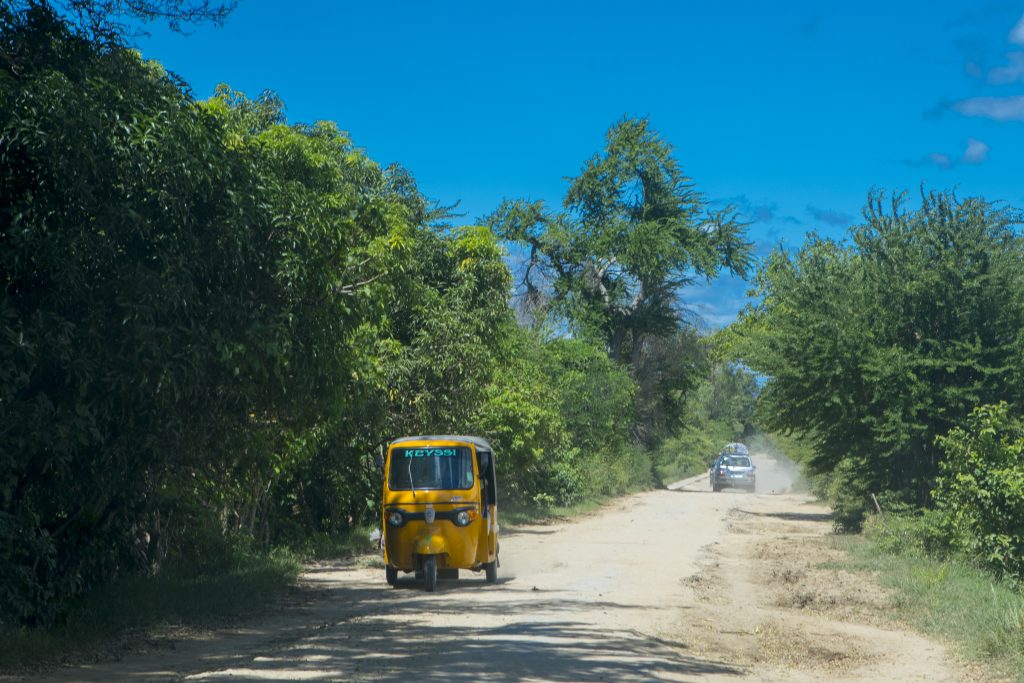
{"x":675,"y":585}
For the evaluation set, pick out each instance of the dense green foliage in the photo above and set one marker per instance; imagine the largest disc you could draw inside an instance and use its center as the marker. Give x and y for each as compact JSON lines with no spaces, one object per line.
{"x":980,"y":495}
{"x":955,"y":569}
{"x":876,"y":346}
{"x":182,"y":284}
{"x":211,"y":320}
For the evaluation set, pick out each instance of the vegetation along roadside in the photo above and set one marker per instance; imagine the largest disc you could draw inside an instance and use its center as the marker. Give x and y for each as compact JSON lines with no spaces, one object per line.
{"x":213,"y":318}
{"x":952,"y":598}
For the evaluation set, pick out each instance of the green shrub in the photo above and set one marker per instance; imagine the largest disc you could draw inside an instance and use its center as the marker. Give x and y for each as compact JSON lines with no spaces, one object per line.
{"x":981,"y":490}
{"x":849,"y":495}
{"x":905,"y":532}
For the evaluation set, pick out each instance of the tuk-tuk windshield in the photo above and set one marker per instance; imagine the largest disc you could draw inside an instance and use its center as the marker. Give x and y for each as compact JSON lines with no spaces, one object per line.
{"x":445,"y":467}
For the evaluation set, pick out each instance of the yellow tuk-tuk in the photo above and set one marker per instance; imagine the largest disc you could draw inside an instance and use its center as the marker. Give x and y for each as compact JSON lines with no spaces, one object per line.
{"x":440,"y":508}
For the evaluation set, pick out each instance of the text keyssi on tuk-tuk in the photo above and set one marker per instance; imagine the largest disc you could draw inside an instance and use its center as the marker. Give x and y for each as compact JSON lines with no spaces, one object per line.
{"x":439,"y":508}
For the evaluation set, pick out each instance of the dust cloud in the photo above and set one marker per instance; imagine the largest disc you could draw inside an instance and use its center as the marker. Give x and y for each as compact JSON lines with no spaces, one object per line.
{"x":776,"y":473}
{"x":506,"y":569}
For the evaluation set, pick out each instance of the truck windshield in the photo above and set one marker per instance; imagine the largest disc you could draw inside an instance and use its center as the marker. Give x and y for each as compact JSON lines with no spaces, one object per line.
{"x":431,"y":467}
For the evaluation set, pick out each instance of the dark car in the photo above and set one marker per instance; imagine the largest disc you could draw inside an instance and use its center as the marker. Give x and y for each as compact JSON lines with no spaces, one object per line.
{"x":732,"y":469}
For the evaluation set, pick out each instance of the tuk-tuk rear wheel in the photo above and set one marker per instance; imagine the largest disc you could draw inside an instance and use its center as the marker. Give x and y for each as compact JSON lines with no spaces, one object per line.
{"x":391,"y":574}
{"x":430,"y":573}
{"x":491,"y":571}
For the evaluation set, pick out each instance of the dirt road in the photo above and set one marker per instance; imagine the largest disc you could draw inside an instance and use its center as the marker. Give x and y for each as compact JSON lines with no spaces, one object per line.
{"x":673,"y":585}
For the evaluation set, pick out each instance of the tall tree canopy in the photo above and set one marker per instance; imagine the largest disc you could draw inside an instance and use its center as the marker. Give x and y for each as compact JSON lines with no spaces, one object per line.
{"x":633,"y":231}
{"x":876,"y":346}
{"x":114,"y":21}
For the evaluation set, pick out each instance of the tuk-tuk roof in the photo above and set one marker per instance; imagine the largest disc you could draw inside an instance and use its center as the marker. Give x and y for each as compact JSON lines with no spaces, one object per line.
{"x":477,"y":441}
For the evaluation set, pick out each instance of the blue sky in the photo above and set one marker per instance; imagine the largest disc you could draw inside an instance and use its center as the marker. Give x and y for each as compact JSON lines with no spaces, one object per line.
{"x":791,"y":111}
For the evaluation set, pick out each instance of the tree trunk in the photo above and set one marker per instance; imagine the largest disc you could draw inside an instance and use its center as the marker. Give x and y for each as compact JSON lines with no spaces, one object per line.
{"x":615,"y":343}
{"x":638,"y":347}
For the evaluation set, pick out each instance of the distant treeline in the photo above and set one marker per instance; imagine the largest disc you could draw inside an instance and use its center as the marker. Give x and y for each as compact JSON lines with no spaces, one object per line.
{"x":898,"y":356}
{"x":211,"y":320}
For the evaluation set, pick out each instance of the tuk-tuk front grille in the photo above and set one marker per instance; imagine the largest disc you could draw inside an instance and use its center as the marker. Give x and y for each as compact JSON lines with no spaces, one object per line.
{"x":408,"y":516}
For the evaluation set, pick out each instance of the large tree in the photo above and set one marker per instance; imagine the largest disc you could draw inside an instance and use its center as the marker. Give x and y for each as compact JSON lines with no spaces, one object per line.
{"x":632,"y":233}
{"x":875,"y":346}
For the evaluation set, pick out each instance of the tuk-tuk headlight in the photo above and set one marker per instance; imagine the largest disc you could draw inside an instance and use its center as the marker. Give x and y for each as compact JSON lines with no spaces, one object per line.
{"x":464,"y":517}
{"x":396,"y":518}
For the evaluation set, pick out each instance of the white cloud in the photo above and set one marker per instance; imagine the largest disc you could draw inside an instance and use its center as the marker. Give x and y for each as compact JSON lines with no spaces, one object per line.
{"x":976,"y":152}
{"x":1011,"y":73}
{"x":1017,"y":34}
{"x":1010,"y":108}
{"x":997,"y":108}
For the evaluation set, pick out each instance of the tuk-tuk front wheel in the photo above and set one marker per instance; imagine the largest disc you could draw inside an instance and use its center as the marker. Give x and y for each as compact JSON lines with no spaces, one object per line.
{"x":430,"y":573}
{"x":391,"y":574}
{"x":491,"y":571}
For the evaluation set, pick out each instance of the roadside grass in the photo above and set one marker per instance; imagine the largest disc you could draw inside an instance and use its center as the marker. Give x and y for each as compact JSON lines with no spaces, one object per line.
{"x":107,"y":620}
{"x":982,"y":617}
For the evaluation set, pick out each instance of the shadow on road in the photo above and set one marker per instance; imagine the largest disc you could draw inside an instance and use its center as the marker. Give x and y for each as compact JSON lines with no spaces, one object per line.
{"x":383,"y":648}
{"x":553,"y":651}
{"x":357,"y":632}
{"x":725,"y":492}
{"x":468,"y":582}
{"x":793,"y":516}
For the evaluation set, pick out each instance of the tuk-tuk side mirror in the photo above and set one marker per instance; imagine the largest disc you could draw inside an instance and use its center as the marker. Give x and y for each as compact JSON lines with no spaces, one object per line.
{"x":379,"y":460}
{"x":485,"y":461}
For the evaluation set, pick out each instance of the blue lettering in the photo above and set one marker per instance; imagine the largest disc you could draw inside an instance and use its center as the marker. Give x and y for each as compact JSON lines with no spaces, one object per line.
{"x":431,"y":452}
